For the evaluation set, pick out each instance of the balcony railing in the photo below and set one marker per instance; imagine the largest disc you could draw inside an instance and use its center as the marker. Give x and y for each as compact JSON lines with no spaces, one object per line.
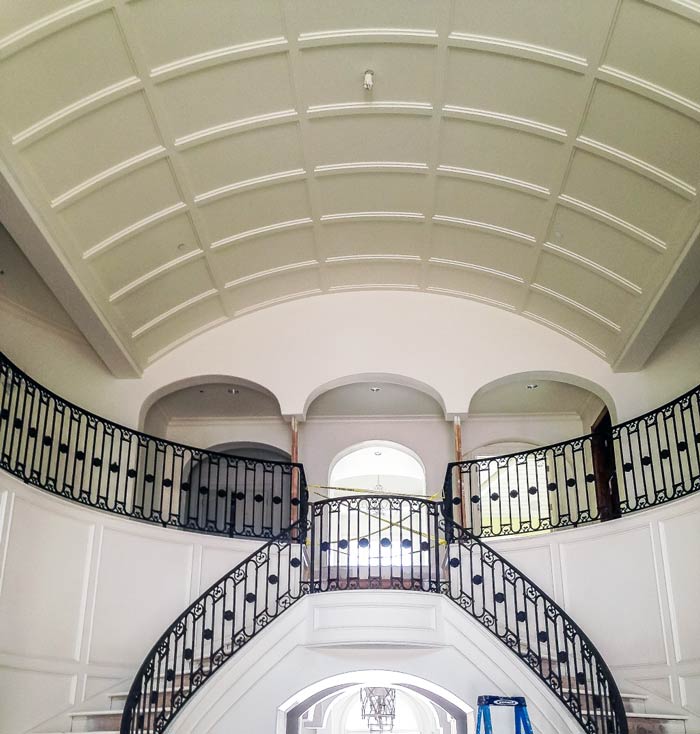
{"x":72,"y":453}
{"x":641,"y":463}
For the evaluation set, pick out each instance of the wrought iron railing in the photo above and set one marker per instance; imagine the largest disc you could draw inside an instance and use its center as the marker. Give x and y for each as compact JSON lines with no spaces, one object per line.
{"x":534,"y":627}
{"x":50,"y":443}
{"x":212,"y":629}
{"x":377,"y":542}
{"x":641,"y":463}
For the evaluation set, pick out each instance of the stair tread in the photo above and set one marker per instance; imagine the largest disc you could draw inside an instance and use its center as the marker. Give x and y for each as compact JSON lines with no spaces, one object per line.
{"x":645,"y":715}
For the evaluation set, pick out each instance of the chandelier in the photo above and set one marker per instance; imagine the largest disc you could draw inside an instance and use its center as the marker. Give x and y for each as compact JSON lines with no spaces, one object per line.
{"x":379,"y":708}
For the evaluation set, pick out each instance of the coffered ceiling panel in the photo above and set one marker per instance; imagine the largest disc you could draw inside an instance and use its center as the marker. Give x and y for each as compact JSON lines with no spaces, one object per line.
{"x":358,"y":237}
{"x":192,"y":161}
{"x":244,"y":259}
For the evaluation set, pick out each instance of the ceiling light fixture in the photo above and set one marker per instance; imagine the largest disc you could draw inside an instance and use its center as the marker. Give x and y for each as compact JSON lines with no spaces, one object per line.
{"x":375,"y":389}
{"x":377,"y":453}
{"x":233,"y":391}
{"x":532,"y":386}
{"x":181,"y":246}
{"x":368,"y":81}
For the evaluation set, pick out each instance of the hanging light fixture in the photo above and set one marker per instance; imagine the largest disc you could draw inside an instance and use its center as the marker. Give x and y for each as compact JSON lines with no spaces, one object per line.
{"x":378,"y":707}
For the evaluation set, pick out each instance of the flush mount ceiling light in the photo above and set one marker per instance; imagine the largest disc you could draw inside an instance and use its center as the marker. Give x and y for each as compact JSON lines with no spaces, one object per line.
{"x":532,"y":386}
{"x":368,"y":81}
{"x":375,"y":389}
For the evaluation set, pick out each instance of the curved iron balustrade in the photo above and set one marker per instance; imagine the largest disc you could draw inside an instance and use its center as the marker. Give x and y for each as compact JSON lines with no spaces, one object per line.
{"x":213,"y":628}
{"x":52,"y":444}
{"x":370,"y":542}
{"x":638,"y":464}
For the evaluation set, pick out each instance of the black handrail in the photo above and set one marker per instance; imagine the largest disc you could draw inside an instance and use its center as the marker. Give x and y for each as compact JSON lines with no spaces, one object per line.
{"x":370,"y":542}
{"x":643,"y":462}
{"x":535,"y":628}
{"x":51,"y":443}
{"x":57,"y":446}
{"x":213,"y":628}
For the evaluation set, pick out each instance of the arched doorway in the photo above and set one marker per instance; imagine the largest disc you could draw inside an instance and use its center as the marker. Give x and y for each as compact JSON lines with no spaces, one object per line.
{"x":381,"y":467}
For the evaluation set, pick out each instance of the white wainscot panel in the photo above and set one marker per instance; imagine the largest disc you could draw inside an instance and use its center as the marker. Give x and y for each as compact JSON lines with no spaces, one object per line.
{"x":681,"y":541}
{"x":378,"y":617}
{"x":610,"y":589}
{"x":27,"y":698}
{"x":218,"y":561}
{"x":42,"y":597}
{"x":536,"y":563}
{"x":690,"y":692}
{"x":142,"y":584}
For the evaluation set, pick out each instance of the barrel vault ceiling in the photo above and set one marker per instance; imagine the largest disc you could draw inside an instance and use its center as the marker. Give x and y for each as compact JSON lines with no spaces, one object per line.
{"x":189,"y":162}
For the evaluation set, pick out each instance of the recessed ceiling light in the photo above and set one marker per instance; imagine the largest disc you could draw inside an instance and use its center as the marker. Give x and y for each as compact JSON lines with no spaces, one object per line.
{"x":181,"y":246}
{"x":201,"y":390}
{"x":532,"y":386}
{"x":377,"y":453}
{"x":375,"y":389}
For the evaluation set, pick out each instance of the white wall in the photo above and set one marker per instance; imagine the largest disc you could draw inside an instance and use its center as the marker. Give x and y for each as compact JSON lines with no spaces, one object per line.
{"x":431,"y":438}
{"x":633,"y":586}
{"x":328,"y":635}
{"x":84,"y":595}
{"x":406,"y":334}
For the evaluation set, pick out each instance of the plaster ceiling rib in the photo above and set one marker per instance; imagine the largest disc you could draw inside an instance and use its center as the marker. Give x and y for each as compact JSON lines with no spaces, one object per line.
{"x":179,"y":172}
{"x":566,"y":155}
{"x":443,"y":26}
{"x":289,"y":20}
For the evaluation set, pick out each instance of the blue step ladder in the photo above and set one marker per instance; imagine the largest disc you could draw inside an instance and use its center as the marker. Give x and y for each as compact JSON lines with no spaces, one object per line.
{"x":518,"y":703}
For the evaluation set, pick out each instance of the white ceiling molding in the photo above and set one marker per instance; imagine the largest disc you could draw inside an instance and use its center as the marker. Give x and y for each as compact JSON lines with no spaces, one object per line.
{"x":187,"y":164}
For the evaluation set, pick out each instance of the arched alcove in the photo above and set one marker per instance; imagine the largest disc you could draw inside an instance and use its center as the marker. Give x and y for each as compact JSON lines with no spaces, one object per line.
{"x":210,"y":396}
{"x":396,"y":394}
{"x":541,"y":392}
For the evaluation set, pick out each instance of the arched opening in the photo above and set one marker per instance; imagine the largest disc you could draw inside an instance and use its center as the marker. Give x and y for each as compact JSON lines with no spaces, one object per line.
{"x":548,"y":475}
{"x":252,"y":450}
{"x":381,"y":467}
{"x":348,"y":704}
